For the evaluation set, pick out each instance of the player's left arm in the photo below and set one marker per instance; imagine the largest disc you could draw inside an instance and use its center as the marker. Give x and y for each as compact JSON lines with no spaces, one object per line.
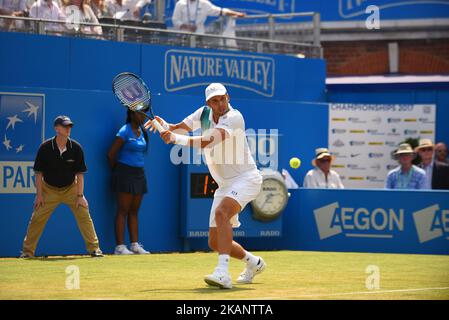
{"x":210,"y":139}
{"x":225,"y":129}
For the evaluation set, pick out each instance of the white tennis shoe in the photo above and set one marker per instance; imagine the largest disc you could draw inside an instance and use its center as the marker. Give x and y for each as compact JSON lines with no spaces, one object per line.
{"x":250,"y":272}
{"x":122,"y":249}
{"x":219,"y":279}
{"x":138,"y":249}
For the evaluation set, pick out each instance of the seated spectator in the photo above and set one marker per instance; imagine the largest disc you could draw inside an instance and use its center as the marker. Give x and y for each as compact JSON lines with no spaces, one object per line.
{"x":441,"y":152}
{"x":125,"y":9}
{"x":48,"y":9}
{"x":15,"y":8}
{"x":190,"y":15}
{"x":322,"y":176}
{"x":437,"y":173}
{"x":406,"y":175}
{"x":99,"y":8}
{"x":87,"y":16}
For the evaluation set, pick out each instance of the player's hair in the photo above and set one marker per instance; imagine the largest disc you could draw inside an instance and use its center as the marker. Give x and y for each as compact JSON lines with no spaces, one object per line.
{"x":145,"y":133}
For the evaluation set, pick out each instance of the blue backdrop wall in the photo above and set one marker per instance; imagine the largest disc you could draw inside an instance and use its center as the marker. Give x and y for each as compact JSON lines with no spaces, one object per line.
{"x":272,"y":92}
{"x":75,"y":76}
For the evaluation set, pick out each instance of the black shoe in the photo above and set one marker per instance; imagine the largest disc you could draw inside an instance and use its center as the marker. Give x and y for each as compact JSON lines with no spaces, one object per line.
{"x":97,"y":254}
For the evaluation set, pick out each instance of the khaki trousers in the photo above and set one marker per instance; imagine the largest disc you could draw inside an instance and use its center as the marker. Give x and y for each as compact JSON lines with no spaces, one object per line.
{"x":53,"y":197}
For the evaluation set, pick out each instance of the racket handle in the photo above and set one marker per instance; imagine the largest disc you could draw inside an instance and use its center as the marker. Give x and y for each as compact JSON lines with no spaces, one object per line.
{"x":157,"y":125}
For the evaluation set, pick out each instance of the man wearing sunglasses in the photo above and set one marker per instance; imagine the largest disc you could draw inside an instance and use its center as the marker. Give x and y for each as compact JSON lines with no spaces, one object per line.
{"x":322,"y":176}
{"x":437,"y":173}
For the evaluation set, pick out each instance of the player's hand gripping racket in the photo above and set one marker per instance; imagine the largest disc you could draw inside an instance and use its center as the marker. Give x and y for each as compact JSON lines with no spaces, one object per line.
{"x":134,"y":95}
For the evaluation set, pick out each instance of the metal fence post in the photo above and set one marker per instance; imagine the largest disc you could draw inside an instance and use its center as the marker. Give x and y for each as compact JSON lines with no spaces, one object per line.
{"x":316,"y":29}
{"x":271,"y":27}
{"x":40,"y":27}
{"x":192,"y":39}
{"x":120,"y":34}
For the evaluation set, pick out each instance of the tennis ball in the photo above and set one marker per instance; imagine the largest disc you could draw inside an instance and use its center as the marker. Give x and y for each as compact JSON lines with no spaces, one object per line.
{"x":295,"y":163}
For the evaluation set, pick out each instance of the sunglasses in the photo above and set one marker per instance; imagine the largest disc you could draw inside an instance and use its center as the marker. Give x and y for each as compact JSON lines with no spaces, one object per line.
{"x":427,"y":149}
{"x":324,"y":160}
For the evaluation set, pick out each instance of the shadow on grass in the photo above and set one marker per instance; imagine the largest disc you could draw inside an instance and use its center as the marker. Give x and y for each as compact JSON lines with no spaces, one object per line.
{"x":203,"y":290}
{"x":58,"y":258}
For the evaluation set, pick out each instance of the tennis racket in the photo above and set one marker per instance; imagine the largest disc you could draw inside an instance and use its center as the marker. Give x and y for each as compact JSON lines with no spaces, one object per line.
{"x":133,"y":93}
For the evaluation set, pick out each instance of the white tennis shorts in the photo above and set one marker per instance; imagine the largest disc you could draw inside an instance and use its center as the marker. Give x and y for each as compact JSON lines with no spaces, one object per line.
{"x":243,"y":189}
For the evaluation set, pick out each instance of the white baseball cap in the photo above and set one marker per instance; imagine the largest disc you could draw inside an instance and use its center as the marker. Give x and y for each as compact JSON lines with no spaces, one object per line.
{"x":215,"y":89}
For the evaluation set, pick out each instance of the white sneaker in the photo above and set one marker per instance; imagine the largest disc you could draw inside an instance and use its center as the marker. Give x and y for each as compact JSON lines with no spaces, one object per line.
{"x":219,"y":279}
{"x":122,"y":249}
{"x":138,"y":249}
{"x":250,"y":272}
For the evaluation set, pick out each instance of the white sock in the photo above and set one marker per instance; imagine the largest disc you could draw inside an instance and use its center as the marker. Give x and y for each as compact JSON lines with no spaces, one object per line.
{"x":223,"y":262}
{"x":134,"y":244}
{"x":250,"y":258}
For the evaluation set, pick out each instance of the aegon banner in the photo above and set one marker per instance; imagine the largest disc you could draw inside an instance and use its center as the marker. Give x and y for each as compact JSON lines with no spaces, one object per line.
{"x":21,"y":132}
{"x":363,"y":136}
{"x":375,"y":220}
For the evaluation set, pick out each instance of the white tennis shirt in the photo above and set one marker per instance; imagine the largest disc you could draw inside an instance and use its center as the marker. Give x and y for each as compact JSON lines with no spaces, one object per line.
{"x":232,"y":157}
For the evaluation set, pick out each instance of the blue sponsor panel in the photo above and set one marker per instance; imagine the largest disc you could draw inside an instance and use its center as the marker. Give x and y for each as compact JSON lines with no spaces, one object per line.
{"x":374,"y":221}
{"x":21,"y":132}
{"x":248,"y":75}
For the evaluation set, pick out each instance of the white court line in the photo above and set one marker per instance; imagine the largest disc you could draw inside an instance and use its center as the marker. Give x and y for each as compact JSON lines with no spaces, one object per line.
{"x":355,"y":293}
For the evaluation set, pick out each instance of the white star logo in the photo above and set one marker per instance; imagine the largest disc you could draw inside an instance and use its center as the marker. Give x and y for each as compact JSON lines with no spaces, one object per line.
{"x":12,"y":121}
{"x":20,"y":148}
{"x":7,"y":143}
{"x":32,"y":110}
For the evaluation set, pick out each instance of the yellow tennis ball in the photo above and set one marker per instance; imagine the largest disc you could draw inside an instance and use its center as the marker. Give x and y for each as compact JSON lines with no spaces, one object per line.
{"x":295,"y":163}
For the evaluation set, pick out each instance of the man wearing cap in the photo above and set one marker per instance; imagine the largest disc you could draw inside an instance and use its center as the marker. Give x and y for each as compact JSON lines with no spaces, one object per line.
{"x":437,"y":173}
{"x":59,"y":174}
{"x":407,"y":175}
{"x":232,"y":166}
{"x":322,"y":176}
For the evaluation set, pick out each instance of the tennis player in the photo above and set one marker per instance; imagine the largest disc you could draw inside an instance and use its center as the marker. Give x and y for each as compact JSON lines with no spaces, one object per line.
{"x":232,"y":166}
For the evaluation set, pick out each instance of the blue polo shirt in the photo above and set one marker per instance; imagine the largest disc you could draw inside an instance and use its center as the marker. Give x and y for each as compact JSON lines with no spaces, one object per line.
{"x":132,"y":152}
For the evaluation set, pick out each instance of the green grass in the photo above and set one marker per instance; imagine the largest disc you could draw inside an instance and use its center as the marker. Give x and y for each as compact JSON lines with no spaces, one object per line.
{"x":289,"y":275}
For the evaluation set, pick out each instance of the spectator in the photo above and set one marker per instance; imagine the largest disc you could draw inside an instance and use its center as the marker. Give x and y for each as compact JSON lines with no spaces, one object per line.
{"x":441,"y":152}
{"x":99,"y":8}
{"x":125,"y":9}
{"x":190,"y":15}
{"x":322,"y":176}
{"x":48,"y":9}
{"x":437,"y":173}
{"x":88,"y":16}
{"x":15,"y":8}
{"x":59,"y":168}
{"x":406,"y":175}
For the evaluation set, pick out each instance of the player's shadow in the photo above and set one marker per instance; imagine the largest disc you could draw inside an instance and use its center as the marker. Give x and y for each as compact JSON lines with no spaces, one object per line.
{"x":59,"y":258}
{"x":202,"y":290}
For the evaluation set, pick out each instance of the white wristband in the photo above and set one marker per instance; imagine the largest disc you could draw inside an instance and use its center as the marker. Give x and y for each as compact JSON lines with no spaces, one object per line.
{"x":181,"y":139}
{"x":165,"y":125}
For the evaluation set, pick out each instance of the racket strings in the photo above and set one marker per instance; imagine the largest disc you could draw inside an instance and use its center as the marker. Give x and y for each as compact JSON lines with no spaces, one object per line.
{"x":131,"y":92}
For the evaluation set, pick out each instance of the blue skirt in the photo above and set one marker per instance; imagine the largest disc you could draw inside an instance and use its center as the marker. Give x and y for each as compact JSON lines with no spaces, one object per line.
{"x":129,"y":179}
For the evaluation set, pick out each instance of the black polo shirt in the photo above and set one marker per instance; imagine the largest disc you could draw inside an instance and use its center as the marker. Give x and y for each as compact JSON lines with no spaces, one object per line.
{"x":59,"y":170}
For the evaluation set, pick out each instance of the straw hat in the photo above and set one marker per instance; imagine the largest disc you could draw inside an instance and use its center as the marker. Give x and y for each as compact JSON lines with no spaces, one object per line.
{"x":404,"y":148}
{"x":321,"y":153}
{"x":424,"y":143}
